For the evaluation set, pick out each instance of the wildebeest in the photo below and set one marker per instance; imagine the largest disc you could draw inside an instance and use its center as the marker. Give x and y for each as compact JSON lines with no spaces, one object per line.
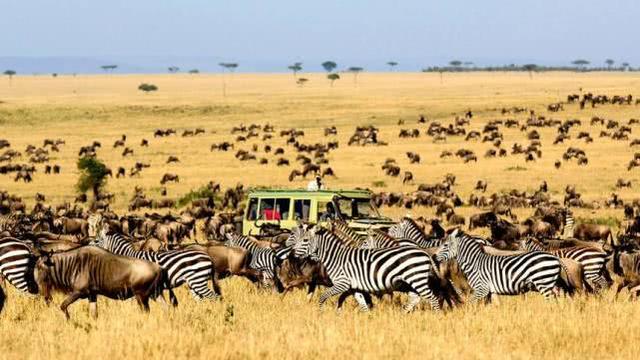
{"x":167,"y":177}
{"x":87,"y":272}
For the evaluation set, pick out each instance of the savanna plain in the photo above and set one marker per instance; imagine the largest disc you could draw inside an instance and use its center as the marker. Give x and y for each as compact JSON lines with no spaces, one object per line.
{"x":250,"y":323}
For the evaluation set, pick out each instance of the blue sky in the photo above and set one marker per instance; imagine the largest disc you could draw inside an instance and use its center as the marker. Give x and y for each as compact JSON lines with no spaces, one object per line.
{"x":267,"y":35}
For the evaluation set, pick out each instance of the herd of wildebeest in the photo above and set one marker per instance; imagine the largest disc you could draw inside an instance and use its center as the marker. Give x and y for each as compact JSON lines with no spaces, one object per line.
{"x":85,"y":249}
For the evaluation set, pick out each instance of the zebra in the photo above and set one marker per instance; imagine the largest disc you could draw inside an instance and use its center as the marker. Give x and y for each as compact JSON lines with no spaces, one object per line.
{"x":262,"y":259}
{"x":16,"y":265}
{"x":569,"y":225}
{"x":192,"y":267}
{"x":408,"y":229}
{"x":377,"y":271}
{"x":592,"y":260}
{"x":501,"y":275}
{"x":379,"y":239}
{"x":348,"y":236}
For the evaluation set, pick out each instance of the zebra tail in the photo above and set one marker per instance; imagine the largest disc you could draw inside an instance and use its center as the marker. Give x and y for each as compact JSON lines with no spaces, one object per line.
{"x":564,"y":282}
{"x":2,"y":299}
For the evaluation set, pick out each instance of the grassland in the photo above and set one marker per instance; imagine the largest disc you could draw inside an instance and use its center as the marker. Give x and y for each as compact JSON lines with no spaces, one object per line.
{"x":85,"y":108}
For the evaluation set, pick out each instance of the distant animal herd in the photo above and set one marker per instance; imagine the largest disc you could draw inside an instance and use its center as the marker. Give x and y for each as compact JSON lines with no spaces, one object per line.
{"x":84,"y":249}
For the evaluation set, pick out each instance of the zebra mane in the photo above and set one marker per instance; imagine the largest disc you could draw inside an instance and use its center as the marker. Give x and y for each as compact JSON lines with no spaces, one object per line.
{"x":348,"y":237}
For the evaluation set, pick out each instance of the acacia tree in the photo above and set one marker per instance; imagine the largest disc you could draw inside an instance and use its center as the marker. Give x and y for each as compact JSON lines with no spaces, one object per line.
{"x":10,"y":74}
{"x":229,"y":67}
{"x":194,"y":71}
{"x":355,"y":70}
{"x":455,"y":64}
{"x":609,"y":63}
{"x":333,"y":77}
{"x":93,"y":176}
{"x":109,"y":68}
{"x":392,"y":64}
{"x":295,"y":68}
{"x":625,"y":65}
{"x":580,"y":63}
{"x":329,"y":66}
{"x":173,"y":69}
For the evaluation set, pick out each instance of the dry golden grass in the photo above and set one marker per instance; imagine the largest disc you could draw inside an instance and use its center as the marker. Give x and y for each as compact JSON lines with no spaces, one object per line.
{"x":86,"y":108}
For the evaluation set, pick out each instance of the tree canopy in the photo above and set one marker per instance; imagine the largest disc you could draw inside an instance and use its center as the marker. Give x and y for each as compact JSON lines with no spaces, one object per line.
{"x":93,"y":175}
{"x":455,"y":63}
{"x":109,"y":67}
{"x":228,"y":66}
{"x":333,"y":77}
{"x":329,"y":66}
{"x":295,"y":68}
{"x":173,"y":69}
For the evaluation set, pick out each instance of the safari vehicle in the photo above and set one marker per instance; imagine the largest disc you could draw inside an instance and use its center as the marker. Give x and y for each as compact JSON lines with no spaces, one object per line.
{"x":286,"y":207}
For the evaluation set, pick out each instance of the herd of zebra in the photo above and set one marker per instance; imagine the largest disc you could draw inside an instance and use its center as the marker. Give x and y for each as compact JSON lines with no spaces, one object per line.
{"x":443,"y":267}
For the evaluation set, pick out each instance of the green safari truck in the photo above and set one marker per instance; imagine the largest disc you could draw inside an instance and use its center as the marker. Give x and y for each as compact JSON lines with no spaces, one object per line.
{"x":287,"y":207}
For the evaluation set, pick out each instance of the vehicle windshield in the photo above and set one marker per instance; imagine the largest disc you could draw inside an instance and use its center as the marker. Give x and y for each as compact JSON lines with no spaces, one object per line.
{"x":354,"y":208}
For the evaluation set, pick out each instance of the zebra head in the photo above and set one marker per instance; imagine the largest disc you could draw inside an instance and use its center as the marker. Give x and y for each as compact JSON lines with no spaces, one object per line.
{"x":100,"y":234}
{"x":96,"y":223}
{"x":369,"y":242}
{"x":449,"y":250}
{"x":306,"y":245}
{"x":397,"y":230}
{"x":297,"y":233}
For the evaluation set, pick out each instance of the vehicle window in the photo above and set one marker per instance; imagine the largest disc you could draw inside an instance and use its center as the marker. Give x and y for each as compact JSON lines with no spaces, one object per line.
{"x":326,"y":211}
{"x":356,"y":208}
{"x":301,"y":209}
{"x":252,"y":214}
{"x":282,"y":209}
{"x":267,"y":209}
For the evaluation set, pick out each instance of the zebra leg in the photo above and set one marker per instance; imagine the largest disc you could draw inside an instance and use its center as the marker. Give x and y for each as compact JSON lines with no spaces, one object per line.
{"x":414,"y":299}
{"x":200,"y":290}
{"x":480,"y":294}
{"x":546,"y":290}
{"x":336,"y":289}
{"x":362,"y":301}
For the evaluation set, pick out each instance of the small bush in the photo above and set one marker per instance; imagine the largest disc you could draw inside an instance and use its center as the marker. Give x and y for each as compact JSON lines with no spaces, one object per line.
{"x":147,"y":87}
{"x":379,"y":184}
{"x":202,"y":192}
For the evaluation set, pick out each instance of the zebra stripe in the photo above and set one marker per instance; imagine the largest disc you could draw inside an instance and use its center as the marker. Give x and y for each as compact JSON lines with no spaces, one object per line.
{"x":569,"y":225}
{"x":501,"y":275}
{"x":592,"y":260}
{"x":262,"y":259}
{"x":377,"y":239}
{"x":347,"y":235}
{"x":16,"y":266}
{"x":408,"y":229}
{"x":369,"y":270}
{"x":283,"y":253}
{"x":192,"y":267}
